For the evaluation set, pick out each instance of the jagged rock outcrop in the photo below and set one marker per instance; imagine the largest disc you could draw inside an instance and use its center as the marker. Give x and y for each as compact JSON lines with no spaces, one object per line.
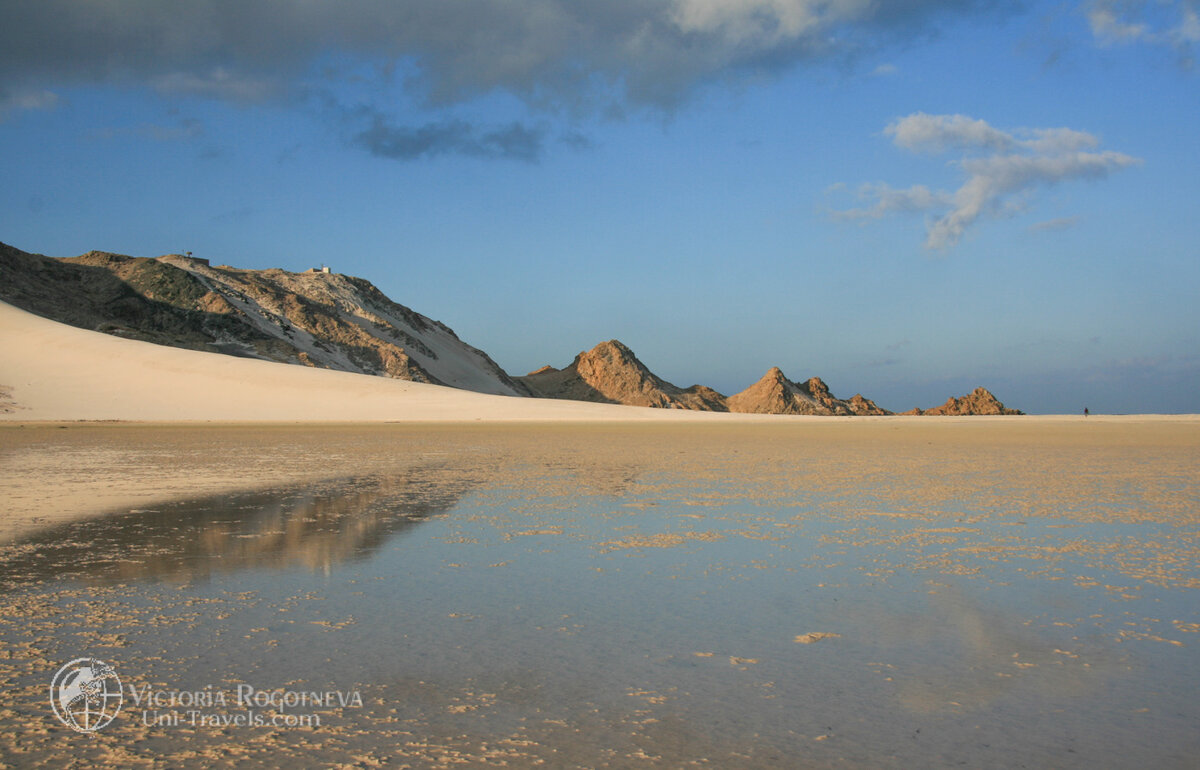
{"x":319,"y":319}
{"x":776,"y":394}
{"x":978,"y":402}
{"x":861,"y":405}
{"x":611,"y":373}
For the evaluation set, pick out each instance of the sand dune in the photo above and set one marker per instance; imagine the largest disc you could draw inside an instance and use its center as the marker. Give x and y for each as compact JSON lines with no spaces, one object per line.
{"x":54,"y":372}
{"x":51,"y":371}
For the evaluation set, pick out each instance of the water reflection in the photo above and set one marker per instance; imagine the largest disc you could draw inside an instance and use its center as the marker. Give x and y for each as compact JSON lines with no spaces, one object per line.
{"x":314,"y":526}
{"x":967,"y":654}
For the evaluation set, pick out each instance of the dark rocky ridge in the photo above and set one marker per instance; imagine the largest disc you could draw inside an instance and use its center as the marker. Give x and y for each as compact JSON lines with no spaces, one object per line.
{"x":318,"y":319}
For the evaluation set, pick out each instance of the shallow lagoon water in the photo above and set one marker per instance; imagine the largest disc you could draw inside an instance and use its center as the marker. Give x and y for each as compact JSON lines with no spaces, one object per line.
{"x":611,"y":612}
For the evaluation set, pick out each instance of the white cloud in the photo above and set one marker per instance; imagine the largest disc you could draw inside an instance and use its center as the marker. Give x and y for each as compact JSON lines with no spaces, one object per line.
{"x":1002,"y":168}
{"x":1110,"y":27}
{"x":26,"y":100}
{"x":1172,"y":23}
{"x":1045,"y":141}
{"x":765,"y":22}
{"x":938,"y":133}
{"x":1188,"y":30}
{"x":888,"y":200}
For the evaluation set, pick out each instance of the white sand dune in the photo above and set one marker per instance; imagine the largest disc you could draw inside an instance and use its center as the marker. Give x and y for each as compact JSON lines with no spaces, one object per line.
{"x":52,"y":371}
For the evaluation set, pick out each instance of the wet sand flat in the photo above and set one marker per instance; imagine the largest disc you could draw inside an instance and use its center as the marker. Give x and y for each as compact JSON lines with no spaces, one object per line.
{"x":828,"y":593}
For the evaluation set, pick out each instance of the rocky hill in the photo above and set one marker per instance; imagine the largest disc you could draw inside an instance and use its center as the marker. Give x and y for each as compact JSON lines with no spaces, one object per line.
{"x":776,"y":394}
{"x":979,"y":401}
{"x":319,"y":319}
{"x":611,"y":373}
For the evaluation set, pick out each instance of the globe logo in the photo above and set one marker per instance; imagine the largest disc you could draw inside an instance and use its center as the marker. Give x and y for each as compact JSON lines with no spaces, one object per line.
{"x":86,"y":694}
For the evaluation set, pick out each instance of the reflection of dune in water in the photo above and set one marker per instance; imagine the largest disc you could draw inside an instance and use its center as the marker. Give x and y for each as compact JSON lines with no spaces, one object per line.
{"x":312,"y":526}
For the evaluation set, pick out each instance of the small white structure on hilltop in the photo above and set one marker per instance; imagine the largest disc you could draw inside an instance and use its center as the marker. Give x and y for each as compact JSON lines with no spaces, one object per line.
{"x":321,"y":269}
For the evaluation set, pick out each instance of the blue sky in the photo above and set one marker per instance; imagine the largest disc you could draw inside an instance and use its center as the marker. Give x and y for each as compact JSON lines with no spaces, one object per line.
{"x":907,"y":199}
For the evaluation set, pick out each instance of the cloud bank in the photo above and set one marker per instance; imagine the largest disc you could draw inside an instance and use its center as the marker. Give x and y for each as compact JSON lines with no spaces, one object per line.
{"x":1001,"y":168}
{"x":514,"y":141}
{"x":556,"y":53}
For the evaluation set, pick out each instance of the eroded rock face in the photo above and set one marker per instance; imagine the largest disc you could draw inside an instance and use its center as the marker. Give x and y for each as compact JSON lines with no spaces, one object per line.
{"x":776,"y":394}
{"x":978,"y":402}
{"x":326,"y":320}
{"x":611,"y":373}
{"x":865,"y":406}
{"x":773,"y":394}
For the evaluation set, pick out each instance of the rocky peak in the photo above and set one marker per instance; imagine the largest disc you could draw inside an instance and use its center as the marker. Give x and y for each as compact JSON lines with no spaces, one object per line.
{"x":865,"y":406}
{"x":978,"y":402}
{"x":612,"y":358}
{"x":818,"y":391}
{"x":611,"y":373}
{"x":816,"y":386}
{"x":774,"y":393}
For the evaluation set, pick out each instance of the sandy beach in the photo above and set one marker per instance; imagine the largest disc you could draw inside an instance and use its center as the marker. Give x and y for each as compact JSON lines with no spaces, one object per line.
{"x":518,"y":582}
{"x":97,"y":467}
{"x":621,"y":594}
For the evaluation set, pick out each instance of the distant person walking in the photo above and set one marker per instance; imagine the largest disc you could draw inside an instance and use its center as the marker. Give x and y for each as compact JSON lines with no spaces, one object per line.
{"x":1085,"y":411}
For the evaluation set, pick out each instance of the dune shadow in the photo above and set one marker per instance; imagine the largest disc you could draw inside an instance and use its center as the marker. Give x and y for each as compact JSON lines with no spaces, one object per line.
{"x":313,"y":526}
